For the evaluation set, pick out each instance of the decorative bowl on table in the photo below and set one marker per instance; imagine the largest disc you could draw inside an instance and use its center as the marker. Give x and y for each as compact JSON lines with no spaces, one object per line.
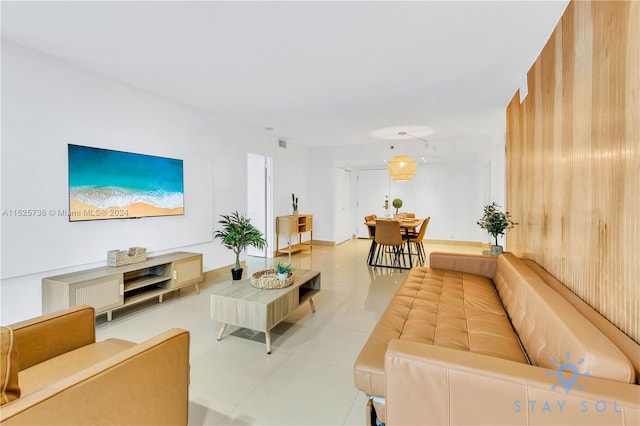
{"x":268,"y":280}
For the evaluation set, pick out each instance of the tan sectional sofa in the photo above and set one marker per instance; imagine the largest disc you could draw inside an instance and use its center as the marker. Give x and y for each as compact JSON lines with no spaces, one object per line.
{"x":486,"y":340}
{"x":55,"y":373}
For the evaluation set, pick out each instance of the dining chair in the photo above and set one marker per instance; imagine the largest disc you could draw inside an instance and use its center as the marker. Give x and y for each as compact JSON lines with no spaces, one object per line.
{"x":389,"y":241}
{"x":416,"y":240}
{"x":372,"y":229}
{"x":372,"y":235}
{"x":410,"y":216}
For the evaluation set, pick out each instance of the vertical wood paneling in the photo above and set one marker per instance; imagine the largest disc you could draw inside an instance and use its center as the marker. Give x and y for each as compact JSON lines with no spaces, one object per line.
{"x":573,"y":159}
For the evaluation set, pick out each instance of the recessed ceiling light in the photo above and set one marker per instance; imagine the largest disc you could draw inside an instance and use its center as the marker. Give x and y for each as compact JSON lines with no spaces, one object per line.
{"x":401,"y":132}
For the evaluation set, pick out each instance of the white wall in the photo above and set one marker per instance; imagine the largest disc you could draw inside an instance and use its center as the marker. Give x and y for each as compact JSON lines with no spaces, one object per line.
{"x":451,"y":194}
{"x":457,"y":180}
{"x":47,"y":104}
{"x":291,"y":175}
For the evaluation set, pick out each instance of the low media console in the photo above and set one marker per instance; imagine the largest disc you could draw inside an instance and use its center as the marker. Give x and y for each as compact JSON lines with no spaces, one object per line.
{"x":109,"y":288}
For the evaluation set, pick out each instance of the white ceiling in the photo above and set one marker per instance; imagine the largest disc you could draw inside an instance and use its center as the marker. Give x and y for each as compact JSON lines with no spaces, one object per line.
{"x":320,"y":73}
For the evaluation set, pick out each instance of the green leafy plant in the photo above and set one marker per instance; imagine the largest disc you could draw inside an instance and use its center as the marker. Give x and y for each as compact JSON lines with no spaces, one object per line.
{"x":397,"y":203}
{"x":495,"y":222}
{"x":283,"y":268}
{"x":294,"y":202}
{"x":238,"y":233}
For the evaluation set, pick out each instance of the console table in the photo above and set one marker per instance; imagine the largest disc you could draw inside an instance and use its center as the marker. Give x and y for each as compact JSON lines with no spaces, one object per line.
{"x":109,"y":288}
{"x":291,"y":226}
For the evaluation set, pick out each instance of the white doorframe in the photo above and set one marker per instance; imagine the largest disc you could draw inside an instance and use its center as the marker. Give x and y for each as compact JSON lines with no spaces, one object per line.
{"x":260,"y":200}
{"x":343,"y":221}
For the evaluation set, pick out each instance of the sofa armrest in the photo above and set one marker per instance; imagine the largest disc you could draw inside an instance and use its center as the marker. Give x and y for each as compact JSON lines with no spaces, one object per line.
{"x":469,"y":263}
{"x":428,"y":384}
{"x":48,"y":336}
{"x":145,"y":384}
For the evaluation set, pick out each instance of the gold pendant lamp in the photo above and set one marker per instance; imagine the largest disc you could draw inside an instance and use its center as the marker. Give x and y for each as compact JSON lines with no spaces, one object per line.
{"x":401,"y":168}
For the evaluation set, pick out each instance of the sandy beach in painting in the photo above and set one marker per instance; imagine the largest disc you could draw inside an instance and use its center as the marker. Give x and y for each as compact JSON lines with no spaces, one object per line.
{"x":82,"y":211}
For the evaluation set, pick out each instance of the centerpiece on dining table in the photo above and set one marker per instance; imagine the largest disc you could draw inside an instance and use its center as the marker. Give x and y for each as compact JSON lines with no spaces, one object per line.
{"x":397,"y":203}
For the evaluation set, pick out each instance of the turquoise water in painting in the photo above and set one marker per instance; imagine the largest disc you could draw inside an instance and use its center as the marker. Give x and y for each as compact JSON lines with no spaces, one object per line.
{"x":104,"y":178}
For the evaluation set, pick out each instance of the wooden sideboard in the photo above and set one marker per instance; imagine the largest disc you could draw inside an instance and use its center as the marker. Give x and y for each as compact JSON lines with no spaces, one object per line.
{"x":293,"y":228}
{"x":109,"y":288}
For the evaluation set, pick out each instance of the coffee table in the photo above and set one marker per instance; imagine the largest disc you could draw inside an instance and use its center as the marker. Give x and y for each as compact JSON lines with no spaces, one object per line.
{"x":244,"y":305}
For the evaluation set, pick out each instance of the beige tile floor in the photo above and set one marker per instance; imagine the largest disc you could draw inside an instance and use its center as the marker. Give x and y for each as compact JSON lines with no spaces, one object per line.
{"x":308,"y":379}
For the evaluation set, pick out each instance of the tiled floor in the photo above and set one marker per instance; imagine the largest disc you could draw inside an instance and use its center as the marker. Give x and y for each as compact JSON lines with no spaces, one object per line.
{"x":308,"y":379}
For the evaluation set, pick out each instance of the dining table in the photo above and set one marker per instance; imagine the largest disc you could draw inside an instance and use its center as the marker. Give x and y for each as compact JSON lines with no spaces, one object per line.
{"x":407,"y":225}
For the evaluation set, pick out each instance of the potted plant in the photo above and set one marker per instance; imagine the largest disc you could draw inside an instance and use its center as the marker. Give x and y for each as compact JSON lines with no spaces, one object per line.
{"x":396,"y":203}
{"x":283,"y":270}
{"x":495,"y":223}
{"x":237,"y":234}
{"x":294,"y":203}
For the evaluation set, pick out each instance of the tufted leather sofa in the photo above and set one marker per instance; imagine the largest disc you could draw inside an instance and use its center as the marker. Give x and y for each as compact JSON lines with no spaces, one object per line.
{"x":485,"y":340}
{"x":59,"y":375}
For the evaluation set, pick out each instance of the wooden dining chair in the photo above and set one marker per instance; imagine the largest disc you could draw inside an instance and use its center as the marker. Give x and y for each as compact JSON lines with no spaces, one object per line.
{"x":416,"y":240}
{"x":389,"y":244}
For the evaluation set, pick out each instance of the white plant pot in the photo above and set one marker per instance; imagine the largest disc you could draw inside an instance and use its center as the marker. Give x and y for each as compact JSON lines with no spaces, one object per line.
{"x":496,"y":250}
{"x":283,"y":277}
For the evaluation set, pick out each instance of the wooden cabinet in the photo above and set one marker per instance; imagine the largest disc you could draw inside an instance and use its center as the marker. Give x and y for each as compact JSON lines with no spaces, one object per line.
{"x":109,"y":288}
{"x":294,"y":228}
{"x":187,"y":271}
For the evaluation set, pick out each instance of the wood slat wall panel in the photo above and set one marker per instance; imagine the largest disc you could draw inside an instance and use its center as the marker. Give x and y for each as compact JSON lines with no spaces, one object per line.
{"x":573,"y":159}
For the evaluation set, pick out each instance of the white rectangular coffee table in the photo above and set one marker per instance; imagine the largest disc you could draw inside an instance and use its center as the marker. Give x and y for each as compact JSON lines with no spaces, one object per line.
{"x":243,"y":305}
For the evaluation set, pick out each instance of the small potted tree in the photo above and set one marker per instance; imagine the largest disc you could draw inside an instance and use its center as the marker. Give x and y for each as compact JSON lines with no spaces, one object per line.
{"x":396,"y":203}
{"x":495,"y":223}
{"x":237,"y":234}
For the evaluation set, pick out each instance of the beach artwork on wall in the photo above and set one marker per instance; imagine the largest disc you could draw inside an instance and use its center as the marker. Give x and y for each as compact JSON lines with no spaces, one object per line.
{"x":107,"y":184}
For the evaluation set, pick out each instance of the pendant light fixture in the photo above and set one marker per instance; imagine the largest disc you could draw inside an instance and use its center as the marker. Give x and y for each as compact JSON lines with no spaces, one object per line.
{"x":402,"y":168}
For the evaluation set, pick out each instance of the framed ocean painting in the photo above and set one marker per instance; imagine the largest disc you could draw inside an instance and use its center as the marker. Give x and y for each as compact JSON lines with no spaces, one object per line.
{"x":108,"y":184}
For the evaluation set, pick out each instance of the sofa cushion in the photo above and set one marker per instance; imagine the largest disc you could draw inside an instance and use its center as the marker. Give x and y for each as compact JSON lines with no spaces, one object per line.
{"x":443,"y":308}
{"x":55,"y":369}
{"x":552,"y":331}
{"x":626,"y":344}
{"x":10,"y":389}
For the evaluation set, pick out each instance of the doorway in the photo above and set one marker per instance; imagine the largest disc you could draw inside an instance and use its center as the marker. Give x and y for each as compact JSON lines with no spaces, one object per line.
{"x":373,"y":188}
{"x":260,"y":199}
{"x":343,"y":206}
